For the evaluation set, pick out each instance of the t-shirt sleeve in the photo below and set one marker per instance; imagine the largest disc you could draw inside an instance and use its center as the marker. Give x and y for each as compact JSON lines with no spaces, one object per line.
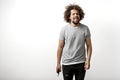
{"x":87,"y":33}
{"x":62,"y":34}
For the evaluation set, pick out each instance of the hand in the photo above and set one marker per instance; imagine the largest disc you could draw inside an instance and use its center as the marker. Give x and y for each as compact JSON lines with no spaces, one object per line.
{"x":58,"y":68}
{"x":87,"y":65}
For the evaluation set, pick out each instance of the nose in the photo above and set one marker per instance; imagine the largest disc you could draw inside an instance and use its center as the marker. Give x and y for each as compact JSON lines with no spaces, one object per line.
{"x":76,"y":14}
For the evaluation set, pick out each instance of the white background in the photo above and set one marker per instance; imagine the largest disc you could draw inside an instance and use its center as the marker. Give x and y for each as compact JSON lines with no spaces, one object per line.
{"x":29,"y":32}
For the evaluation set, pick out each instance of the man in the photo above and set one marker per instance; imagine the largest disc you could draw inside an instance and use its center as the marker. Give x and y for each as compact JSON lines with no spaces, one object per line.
{"x":71,"y":49}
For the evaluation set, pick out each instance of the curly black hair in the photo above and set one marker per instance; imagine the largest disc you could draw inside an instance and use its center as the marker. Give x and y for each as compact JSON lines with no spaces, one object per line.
{"x":68,"y":12}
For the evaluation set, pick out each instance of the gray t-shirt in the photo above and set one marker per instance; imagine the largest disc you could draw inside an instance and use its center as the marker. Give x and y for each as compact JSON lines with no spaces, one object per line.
{"x":74,"y":48}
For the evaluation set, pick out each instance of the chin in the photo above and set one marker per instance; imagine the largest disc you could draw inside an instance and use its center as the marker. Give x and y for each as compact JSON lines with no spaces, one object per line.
{"x":76,"y":23}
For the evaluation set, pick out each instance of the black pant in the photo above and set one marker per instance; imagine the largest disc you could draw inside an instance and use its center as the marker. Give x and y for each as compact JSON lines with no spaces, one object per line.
{"x":70,"y":70}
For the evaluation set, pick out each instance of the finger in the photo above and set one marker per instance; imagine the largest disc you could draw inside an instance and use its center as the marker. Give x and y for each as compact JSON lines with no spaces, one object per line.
{"x":58,"y":73}
{"x":58,"y":70}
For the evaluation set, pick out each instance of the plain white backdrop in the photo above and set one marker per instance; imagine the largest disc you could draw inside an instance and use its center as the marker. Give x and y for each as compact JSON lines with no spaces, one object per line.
{"x":29,"y":33}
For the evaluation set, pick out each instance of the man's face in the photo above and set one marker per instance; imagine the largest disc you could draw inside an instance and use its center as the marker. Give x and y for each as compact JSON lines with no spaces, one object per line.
{"x":74,"y":17}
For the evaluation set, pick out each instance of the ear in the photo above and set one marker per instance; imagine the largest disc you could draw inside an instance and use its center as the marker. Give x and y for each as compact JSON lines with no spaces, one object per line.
{"x":69,"y":18}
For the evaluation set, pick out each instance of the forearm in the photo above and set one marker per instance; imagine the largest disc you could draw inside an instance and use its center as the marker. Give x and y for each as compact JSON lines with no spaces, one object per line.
{"x":59,"y":54}
{"x":89,"y":53}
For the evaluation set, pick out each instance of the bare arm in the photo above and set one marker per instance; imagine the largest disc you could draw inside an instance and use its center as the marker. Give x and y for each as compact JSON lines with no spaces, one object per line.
{"x":89,"y":53}
{"x":59,"y":54}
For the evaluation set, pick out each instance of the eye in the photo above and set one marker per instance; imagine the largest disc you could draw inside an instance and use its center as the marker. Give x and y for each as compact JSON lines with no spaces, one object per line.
{"x":73,"y":14}
{"x":76,"y":13}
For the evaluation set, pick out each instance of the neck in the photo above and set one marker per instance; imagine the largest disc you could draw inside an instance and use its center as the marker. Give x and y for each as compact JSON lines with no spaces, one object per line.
{"x":74,"y":25}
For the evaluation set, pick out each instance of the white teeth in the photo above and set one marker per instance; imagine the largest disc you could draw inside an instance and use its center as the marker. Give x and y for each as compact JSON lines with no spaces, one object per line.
{"x":76,"y":19}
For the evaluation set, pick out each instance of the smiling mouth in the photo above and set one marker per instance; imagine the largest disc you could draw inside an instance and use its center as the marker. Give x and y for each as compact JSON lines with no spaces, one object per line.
{"x":76,"y":19}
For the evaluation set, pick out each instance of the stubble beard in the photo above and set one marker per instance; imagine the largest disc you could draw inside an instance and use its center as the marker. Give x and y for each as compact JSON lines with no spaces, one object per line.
{"x":76,"y":22}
